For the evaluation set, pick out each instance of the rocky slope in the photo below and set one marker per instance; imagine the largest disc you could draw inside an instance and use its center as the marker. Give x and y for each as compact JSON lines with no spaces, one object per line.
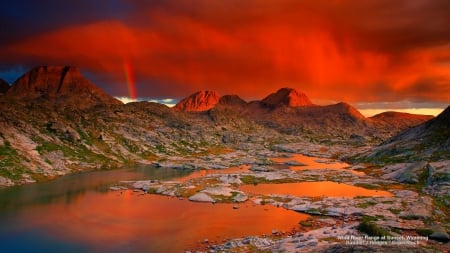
{"x":4,"y":86}
{"x":427,"y":141}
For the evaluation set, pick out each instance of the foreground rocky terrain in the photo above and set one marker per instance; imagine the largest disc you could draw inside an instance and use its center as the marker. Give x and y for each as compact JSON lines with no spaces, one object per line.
{"x":53,"y":122}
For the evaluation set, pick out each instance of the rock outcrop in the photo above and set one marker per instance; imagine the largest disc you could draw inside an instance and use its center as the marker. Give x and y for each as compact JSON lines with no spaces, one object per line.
{"x":429,"y":140}
{"x":288,"y":97}
{"x":64,"y":86}
{"x":198,"y":102}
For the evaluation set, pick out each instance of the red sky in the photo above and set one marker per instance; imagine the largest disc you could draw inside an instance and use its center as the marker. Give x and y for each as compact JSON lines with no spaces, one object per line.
{"x":333,"y":50}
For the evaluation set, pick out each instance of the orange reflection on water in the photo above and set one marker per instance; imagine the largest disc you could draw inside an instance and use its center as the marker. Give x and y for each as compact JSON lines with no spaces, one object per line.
{"x":315,"y":163}
{"x":151,"y":223}
{"x":313,"y":189}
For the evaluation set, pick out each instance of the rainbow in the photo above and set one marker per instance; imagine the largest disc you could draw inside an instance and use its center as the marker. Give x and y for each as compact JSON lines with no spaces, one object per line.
{"x":129,"y":78}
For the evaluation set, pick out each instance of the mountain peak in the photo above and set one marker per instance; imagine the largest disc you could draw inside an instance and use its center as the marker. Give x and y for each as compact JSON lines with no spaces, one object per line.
{"x":4,"y":86}
{"x":64,"y":84}
{"x":289,"y":97}
{"x":199,"y":101}
{"x":47,"y":80}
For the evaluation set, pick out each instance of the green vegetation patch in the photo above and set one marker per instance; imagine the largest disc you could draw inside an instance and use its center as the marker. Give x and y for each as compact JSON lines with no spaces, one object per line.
{"x":424,"y":231}
{"x":371,"y":229}
{"x":368,"y":186}
{"x":306,"y":223}
{"x":79,"y":153}
{"x":250,"y":179}
{"x":366,"y":204}
{"x":9,"y":163}
{"x":395,"y":211}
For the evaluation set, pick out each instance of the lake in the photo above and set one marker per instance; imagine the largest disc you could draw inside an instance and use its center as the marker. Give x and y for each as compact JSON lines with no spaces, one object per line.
{"x":79,"y":213}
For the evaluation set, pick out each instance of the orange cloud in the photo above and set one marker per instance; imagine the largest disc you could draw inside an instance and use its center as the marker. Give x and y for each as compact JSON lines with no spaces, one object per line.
{"x":339,"y":50}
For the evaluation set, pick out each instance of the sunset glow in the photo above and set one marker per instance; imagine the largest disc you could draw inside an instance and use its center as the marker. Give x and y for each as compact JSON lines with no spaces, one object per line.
{"x":353,"y":51}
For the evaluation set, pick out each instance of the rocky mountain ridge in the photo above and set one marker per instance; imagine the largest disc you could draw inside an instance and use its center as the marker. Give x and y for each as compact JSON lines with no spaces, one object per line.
{"x":53,"y":121}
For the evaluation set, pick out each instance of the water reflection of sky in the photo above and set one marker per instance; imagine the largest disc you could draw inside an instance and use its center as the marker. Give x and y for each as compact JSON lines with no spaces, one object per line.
{"x":313,"y":189}
{"x":124,"y":221}
{"x":80,"y":213}
{"x":311,"y":163}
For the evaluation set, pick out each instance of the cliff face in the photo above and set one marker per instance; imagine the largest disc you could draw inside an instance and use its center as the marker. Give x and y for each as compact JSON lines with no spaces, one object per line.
{"x":199,"y":101}
{"x":65,"y":86}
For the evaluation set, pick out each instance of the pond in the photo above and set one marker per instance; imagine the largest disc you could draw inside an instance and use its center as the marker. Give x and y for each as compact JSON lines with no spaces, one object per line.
{"x":314,"y":163}
{"x":313,"y":189}
{"x":78,"y":213}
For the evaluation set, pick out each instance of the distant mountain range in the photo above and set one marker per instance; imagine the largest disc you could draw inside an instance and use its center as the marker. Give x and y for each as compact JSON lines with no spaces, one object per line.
{"x":291,"y":111}
{"x":53,"y":121}
{"x":427,"y":141}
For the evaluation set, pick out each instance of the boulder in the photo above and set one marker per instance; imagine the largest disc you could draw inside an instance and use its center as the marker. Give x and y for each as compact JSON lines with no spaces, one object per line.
{"x":201,"y":197}
{"x":439,"y":234}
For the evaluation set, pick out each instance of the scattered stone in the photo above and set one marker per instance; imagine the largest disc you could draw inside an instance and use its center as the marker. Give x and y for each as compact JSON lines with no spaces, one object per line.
{"x":5,"y":181}
{"x":295,"y":163}
{"x":439,"y":234}
{"x":220,"y":190}
{"x":261,"y":168}
{"x":240,"y":197}
{"x":201,"y":197}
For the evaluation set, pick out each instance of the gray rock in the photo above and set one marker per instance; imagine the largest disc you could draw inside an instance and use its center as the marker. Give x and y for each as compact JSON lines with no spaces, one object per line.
{"x":408,"y":173}
{"x":260,"y":169}
{"x":439,"y":234}
{"x":295,"y":163}
{"x":5,"y":181}
{"x":240,"y":197}
{"x":201,"y":197}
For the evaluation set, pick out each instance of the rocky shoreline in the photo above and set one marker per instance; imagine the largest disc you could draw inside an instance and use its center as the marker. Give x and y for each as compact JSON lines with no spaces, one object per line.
{"x":408,"y":212}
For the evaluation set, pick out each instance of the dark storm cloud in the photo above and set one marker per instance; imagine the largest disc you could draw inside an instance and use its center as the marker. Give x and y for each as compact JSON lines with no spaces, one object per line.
{"x":354,"y":50}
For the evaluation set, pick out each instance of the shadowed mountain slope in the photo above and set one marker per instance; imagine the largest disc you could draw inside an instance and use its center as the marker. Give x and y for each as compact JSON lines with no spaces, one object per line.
{"x":64,"y":86}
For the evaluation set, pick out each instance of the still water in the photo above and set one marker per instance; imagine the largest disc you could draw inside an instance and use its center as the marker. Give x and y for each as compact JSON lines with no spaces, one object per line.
{"x":78,"y":213}
{"x":314,"y":189}
{"x":314,"y":163}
